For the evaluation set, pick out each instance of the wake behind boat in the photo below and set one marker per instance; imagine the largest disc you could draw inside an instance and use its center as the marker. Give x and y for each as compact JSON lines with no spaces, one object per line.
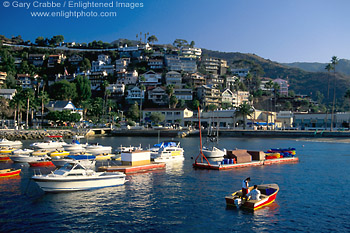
{"x":268,"y":195}
{"x":74,"y":177}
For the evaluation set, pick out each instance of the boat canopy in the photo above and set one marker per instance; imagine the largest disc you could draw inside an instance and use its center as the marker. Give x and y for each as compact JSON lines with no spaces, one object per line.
{"x":165,"y":144}
{"x":260,"y":123}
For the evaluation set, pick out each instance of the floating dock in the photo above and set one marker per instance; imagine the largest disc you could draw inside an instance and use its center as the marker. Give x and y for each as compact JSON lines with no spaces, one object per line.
{"x":133,"y":169}
{"x":214,"y":166}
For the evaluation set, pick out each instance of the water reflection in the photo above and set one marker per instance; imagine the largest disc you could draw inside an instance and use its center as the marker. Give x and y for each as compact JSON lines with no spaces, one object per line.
{"x":175,"y":168}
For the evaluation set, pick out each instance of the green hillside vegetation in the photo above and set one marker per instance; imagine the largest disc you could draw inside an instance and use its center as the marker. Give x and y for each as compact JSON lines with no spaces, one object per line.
{"x":301,"y":81}
{"x":343,"y":66}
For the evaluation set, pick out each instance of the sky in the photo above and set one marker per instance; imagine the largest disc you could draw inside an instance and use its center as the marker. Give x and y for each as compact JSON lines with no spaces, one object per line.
{"x":279,"y":30}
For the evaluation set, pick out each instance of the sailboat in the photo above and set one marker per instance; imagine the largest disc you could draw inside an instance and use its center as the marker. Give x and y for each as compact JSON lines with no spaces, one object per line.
{"x":212,"y":151}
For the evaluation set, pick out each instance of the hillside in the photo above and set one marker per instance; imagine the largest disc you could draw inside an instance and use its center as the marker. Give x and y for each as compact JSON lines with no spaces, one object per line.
{"x":301,"y":81}
{"x":342,"y":67}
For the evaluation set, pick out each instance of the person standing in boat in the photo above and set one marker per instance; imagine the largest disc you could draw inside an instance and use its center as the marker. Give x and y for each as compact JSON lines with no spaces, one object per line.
{"x":254,"y":194}
{"x":245,"y":186}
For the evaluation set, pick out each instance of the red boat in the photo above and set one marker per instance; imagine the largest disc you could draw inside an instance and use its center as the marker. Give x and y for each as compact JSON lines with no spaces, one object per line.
{"x":45,"y":163}
{"x":9,"y":172}
{"x":4,"y":158}
{"x":268,"y":195}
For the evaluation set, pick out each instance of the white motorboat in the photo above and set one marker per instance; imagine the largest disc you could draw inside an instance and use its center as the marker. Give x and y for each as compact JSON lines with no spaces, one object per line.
{"x":51,"y":142}
{"x":27,"y":158}
{"x":22,"y":151}
{"x":87,"y":163}
{"x":5,"y":142}
{"x":98,"y":149}
{"x":156,"y":147}
{"x":168,"y":154}
{"x":75,"y":145}
{"x":122,"y":148}
{"x":213,"y":152}
{"x":74,"y":177}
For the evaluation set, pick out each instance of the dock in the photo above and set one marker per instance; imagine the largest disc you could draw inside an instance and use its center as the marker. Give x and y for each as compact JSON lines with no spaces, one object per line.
{"x":133,"y":169}
{"x":248,"y":164}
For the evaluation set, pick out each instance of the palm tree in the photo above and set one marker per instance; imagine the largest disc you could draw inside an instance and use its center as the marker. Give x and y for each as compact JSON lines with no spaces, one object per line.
{"x":170,"y":91}
{"x":29,"y":95}
{"x":244,"y":110}
{"x":328,"y":68}
{"x":44,"y":97}
{"x":334,"y":62}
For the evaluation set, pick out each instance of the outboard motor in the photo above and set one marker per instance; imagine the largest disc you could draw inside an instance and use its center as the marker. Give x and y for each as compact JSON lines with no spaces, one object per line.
{"x":238,"y":202}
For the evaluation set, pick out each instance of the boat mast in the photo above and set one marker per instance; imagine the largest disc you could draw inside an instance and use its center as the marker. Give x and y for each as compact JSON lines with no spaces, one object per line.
{"x":200,"y":140}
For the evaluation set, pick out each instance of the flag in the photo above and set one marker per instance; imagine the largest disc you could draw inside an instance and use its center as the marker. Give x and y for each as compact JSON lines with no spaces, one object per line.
{"x":65,"y":71}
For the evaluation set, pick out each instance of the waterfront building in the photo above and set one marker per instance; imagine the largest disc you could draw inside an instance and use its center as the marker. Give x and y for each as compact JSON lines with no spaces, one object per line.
{"x":215,"y":80}
{"x":180,"y":116}
{"x":61,"y":105}
{"x":128,"y":78}
{"x":283,"y":84}
{"x":155,"y":64}
{"x":286,"y":118}
{"x":96,"y":79}
{"x":197,"y":80}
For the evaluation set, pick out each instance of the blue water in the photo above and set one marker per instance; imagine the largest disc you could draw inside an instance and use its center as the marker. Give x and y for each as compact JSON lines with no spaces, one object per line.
{"x":312,"y":197}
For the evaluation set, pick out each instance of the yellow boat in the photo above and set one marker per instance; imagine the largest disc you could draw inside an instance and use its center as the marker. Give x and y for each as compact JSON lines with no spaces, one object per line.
{"x":6,"y":150}
{"x":105,"y":156}
{"x":60,"y":153}
{"x":40,"y":152}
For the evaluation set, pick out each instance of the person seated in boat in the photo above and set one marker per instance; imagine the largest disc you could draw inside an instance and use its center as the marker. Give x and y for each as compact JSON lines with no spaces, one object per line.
{"x":254,"y":194}
{"x":245,"y":186}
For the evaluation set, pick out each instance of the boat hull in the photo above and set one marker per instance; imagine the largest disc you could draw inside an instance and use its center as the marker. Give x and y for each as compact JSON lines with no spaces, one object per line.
{"x":41,"y":164}
{"x":25,"y":159}
{"x":253,"y":205}
{"x":213,"y":153}
{"x":66,"y":185}
{"x":9,"y":173}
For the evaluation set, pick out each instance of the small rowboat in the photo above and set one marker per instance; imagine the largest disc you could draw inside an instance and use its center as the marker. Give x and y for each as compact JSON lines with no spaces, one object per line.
{"x":9,"y":172}
{"x":44,"y":163}
{"x":268,"y":195}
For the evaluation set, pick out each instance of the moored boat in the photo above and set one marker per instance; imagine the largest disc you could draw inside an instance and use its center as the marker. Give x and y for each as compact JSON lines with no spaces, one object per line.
{"x":22,"y":151}
{"x":41,"y":163}
{"x":9,"y":172}
{"x":50,"y":142}
{"x":6,"y":150}
{"x":74,"y":177}
{"x":5,"y":142}
{"x":27,"y":158}
{"x":60,"y":153}
{"x":268,"y":196}
{"x":105,"y":156}
{"x":41,"y":152}
{"x":98,"y":149}
{"x":169,"y":153}
{"x":213,"y":152}
{"x":4,"y":158}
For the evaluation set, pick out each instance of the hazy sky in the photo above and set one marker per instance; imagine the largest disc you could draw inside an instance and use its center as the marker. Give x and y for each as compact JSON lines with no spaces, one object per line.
{"x":279,"y":30}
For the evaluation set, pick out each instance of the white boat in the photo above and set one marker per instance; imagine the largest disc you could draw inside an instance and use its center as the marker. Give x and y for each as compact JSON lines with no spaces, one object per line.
{"x":122,"y":148}
{"x":27,"y":158}
{"x":75,"y":145}
{"x":51,"y":142}
{"x":213,"y":152}
{"x":155,"y":148}
{"x":5,"y":142}
{"x":74,"y":177}
{"x":22,"y":151}
{"x":87,"y":163}
{"x":98,"y":149}
{"x":168,"y":154}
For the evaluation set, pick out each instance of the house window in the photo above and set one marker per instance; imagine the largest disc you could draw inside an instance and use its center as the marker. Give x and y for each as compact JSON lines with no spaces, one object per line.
{"x":169,"y":113}
{"x":177,"y":113}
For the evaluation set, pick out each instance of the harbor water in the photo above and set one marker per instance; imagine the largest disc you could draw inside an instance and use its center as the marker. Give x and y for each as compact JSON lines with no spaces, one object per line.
{"x":312,"y":194}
